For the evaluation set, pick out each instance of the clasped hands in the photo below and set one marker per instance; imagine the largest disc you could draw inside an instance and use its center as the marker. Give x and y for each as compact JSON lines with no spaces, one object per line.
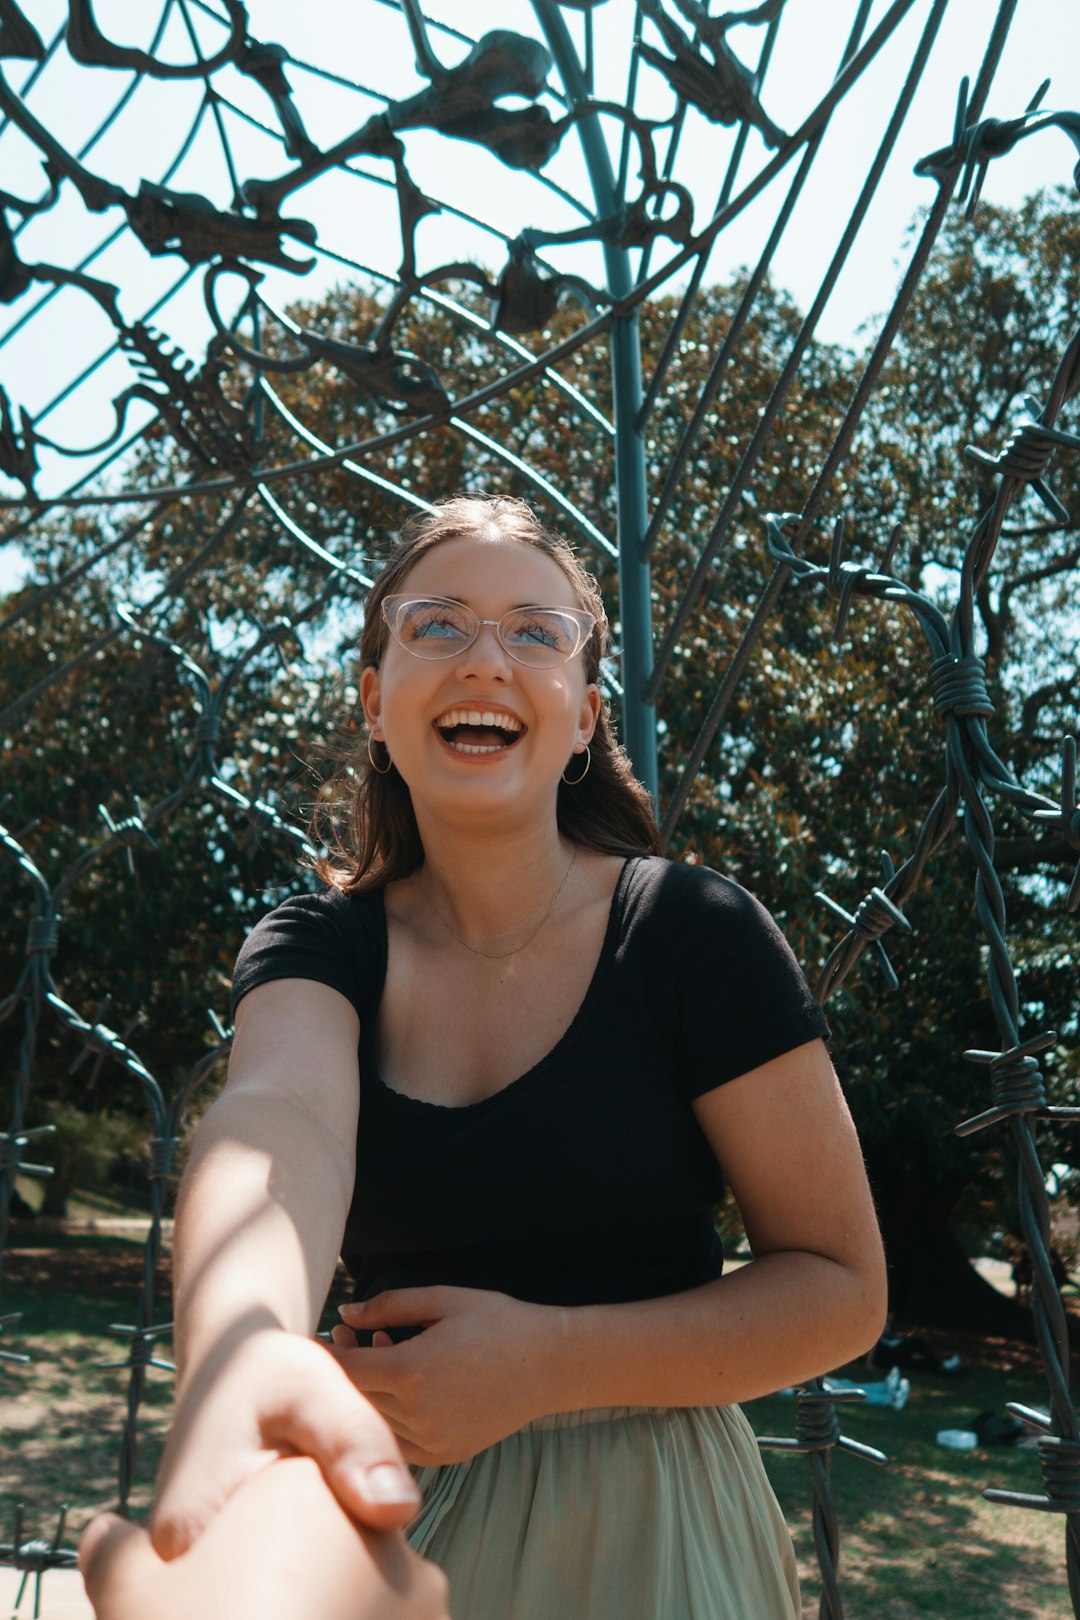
{"x":478,"y":1371}
{"x":273,"y":1461}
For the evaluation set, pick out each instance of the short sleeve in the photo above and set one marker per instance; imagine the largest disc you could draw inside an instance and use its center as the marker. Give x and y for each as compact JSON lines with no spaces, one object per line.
{"x":328,"y":937}
{"x":742,"y":997}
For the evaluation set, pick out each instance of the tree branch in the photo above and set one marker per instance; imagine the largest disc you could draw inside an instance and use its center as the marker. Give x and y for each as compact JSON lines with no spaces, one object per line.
{"x":1057,"y":565}
{"x":1039,"y":697}
{"x":1024,"y":854}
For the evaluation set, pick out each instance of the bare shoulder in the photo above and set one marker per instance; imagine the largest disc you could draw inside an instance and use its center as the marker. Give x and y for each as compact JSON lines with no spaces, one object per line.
{"x":297,"y":1039}
{"x":598,"y":875}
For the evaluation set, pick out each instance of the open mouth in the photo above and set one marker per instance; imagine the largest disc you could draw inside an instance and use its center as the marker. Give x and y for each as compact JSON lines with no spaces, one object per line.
{"x":479,"y":731}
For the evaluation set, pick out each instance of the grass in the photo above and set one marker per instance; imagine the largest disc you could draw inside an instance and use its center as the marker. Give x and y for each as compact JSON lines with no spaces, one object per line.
{"x":63,"y":1413}
{"x":917,"y":1538}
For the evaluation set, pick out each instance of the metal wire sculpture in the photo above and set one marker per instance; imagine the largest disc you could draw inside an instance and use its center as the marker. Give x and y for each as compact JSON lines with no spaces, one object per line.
{"x":523,"y":98}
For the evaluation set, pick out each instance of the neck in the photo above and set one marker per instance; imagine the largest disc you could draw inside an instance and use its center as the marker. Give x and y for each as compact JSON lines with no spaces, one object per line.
{"x":491,"y":889}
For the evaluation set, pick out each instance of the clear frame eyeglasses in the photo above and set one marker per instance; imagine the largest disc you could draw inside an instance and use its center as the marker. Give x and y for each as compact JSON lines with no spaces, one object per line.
{"x":435,"y":627}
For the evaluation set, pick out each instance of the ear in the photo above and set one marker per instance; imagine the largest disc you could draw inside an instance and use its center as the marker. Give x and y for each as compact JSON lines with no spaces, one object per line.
{"x":589,"y":713}
{"x":371,"y":699}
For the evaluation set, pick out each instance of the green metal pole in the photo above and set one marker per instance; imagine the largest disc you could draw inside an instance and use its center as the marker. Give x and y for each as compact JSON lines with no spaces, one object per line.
{"x":635,"y":602}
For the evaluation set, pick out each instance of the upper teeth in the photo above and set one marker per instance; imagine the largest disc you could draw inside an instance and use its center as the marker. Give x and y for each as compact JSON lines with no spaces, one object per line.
{"x":479,"y":717}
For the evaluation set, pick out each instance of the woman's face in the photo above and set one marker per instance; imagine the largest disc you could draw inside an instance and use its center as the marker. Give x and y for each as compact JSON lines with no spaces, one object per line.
{"x":530,"y":719}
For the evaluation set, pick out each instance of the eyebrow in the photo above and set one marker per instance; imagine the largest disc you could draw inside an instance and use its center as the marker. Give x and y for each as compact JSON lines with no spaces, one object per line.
{"x":515,"y":608}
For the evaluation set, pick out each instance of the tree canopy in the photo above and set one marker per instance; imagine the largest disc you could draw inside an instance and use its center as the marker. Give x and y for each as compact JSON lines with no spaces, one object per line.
{"x":828,"y":754}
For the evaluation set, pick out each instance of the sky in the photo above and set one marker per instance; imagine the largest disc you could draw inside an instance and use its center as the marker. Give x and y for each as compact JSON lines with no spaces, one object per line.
{"x":366,"y":43}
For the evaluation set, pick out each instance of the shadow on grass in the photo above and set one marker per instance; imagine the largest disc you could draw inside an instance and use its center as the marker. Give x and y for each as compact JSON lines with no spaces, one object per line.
{"x":62,"y":1414}
{"x":917,"y":1537}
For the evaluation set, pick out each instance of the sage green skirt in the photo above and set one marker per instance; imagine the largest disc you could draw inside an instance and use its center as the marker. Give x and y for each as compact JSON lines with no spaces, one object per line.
{"x":619,"y":1513}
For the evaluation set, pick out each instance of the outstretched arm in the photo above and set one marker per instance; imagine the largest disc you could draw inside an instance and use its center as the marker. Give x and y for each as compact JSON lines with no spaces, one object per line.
{"x":259,"y":1221}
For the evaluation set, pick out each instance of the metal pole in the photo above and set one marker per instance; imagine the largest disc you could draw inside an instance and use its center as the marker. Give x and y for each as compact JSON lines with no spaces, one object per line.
{"x":635,"y":602}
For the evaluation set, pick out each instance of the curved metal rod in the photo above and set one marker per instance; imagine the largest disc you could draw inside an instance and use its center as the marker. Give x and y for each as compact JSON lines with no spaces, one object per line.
{"x":110,"y":117}
{"x":308,"y":543}
{"x":383,"y":441}
{"x":107,"y":354}
{"x":806,"y":331}
{"x":280,"y":409}
{"x":539,"y":482}
{"x":107,"y":241}
{"x":36,"y":71}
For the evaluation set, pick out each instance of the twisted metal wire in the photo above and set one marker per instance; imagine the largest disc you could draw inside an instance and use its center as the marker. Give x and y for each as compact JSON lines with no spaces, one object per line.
{"x":232,"y":466}
{"x":972,"y":770}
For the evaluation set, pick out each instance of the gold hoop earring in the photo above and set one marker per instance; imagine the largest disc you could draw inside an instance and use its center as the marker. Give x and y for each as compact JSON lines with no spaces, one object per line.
{"x":573,"y":781}
{"x":380,"y":770}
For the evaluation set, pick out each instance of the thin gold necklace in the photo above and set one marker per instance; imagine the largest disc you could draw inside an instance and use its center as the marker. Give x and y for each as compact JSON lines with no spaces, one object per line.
{"x":497,"y":956}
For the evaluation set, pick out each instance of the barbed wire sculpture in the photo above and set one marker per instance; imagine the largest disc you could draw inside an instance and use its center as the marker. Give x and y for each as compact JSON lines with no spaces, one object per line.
{"x":525,"y":99}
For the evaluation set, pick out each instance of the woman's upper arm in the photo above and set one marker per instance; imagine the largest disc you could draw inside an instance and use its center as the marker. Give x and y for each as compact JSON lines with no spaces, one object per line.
{"x":787,"y":1145}
{"x":296,"y":1040}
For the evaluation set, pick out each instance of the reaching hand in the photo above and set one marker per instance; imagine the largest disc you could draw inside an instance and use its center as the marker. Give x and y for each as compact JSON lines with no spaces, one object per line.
{"x":269,"y":1395}
{"x":280,"y":1547}
{"x":475,"y":1374}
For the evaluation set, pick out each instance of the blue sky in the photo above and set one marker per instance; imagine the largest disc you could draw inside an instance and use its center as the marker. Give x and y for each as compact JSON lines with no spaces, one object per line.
{"x":367,"y":43}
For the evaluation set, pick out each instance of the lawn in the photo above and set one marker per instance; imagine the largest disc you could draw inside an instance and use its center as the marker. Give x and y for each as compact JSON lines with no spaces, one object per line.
{"x":917,"y":1539}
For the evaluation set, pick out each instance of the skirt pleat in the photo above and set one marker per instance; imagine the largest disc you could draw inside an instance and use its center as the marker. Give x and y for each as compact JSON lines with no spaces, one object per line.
{"x":620,"y":1513}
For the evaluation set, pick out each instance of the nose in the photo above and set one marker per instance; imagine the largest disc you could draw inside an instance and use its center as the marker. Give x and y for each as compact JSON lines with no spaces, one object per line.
{"x":486,"y":658}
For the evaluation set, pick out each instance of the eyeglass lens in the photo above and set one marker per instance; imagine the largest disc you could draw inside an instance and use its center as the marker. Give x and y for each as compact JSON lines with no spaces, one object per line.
{"x":434,"y":628}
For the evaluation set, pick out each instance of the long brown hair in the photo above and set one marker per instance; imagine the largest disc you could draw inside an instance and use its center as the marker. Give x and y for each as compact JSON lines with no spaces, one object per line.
{"x":366,"y":821}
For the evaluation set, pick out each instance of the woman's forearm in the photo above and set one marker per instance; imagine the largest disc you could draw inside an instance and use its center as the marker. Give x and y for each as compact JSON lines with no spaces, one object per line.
{"x":259,"y":1218}
{"x":486,"y":1363}
{"x":259,"y":1222}
{"x":777,"y":1321}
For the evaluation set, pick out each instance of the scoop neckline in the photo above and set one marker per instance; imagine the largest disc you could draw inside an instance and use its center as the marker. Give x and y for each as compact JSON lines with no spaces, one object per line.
{"x":370,"y":1068}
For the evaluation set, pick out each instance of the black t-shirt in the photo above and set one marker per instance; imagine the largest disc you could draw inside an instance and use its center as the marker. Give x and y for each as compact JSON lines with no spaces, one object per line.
{"x":587,"y":1180}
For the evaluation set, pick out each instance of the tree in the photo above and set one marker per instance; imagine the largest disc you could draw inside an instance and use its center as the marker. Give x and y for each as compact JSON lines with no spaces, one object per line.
{"x":992,"y":319}
{"x":822,"y":760}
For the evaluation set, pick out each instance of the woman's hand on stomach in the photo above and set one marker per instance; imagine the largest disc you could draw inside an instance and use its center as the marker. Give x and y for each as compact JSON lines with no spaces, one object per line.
{"x":477,"y":1372}
{"x":262,"y":1396}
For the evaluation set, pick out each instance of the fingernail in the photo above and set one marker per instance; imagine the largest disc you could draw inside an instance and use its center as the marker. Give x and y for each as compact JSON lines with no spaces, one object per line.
{"x":388,"y":1483}
{"x":350,"y":1310}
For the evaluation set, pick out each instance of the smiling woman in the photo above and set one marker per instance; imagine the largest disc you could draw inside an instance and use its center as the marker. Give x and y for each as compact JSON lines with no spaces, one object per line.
{"x":562,"y":1044}
{"x":612,"y":813}
{"x":444,"y":659}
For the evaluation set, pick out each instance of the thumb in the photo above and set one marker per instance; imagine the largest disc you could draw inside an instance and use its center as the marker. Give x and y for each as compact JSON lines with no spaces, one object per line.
{"x":116,"y":1562}
{"x":355,"y":1448}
